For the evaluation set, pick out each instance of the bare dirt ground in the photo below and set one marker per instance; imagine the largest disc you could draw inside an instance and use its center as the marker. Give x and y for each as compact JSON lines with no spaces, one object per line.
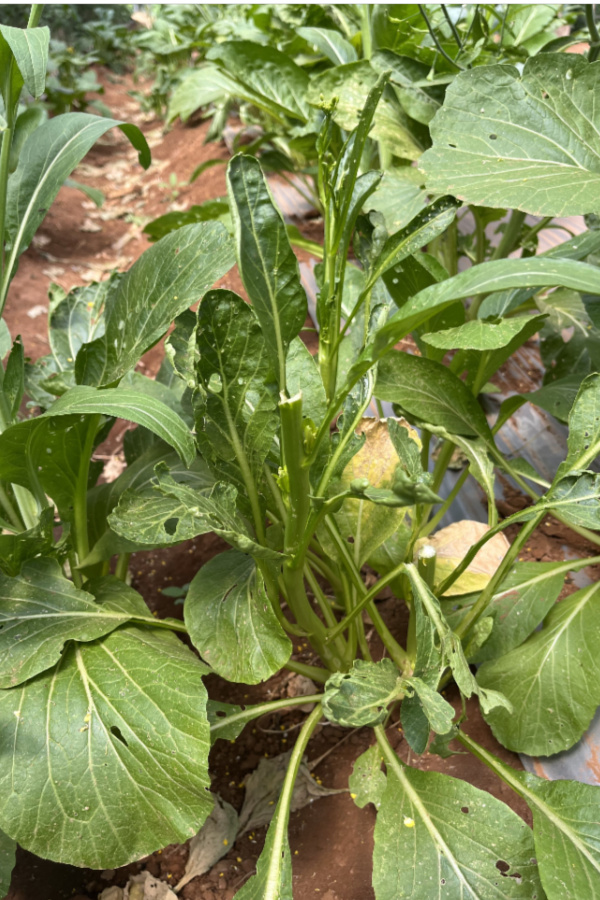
{"x":331,"y":840}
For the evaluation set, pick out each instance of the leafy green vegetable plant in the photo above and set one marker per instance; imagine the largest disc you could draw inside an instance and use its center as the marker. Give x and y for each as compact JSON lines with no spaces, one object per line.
{"x":105,"y":724}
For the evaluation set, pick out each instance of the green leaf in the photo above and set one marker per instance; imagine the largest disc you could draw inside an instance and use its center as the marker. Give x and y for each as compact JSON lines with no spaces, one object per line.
{"x":584,"y":428}
{"x":430,"y":392}
{"x":577,"y":499}
{"x":29,"y":47}
{"x":351,"y":84}
{"x":500,"y":274}
{"x":108,"y":751}
{"x":439,"y":712}
{"x":133,"y":406}
{"x":170,"y":512}
{"x":15,"y":549}
{"x":8,"y":853}
{"x":432,"y":221}
{"x":267,"y":263}
{"x":197,"y":88}
{"x":557,"y":397}
{"x":480,"y":335}
{"x":399,"y":197}
{"x":41,"y":611}
{"x":436,"y":836}
{"x":361,"y":696}
{"x":14,"y":378}
{"x":50,"y":154}
{"x":566,"y":834}
{"x":528,"y":593}
{"x":231,"y":622}
{"x":376,"y":462}
{"x":165,"y":280}
{"x":367,"y":782}
{"x":439,"y":647}
{"x":266,"y":75}
{"x":330,"y":43}
{"x":520,"y":141}
{"x":236,"y":417}
{"x":5,"y":339}
{"x":552,"y":679}
{"x":303,"y":376}
{"x":420,"y":100}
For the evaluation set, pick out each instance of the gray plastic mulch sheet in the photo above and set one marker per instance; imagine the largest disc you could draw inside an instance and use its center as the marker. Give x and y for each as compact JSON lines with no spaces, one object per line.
{"x":530,"y":434}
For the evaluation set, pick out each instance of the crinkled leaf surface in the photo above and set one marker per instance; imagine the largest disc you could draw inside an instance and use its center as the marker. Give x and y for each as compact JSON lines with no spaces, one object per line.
{"x":360,"y":697}
{"x":107,"y":753}
{"x":525,"y":141}
{"x":351,"y":84}
{"x":236,"y":409}
{"x":40,"y":611}
{"x":15,"y":549}
{"x":50,"y":154}
{"x":438,"y":838}
{"x":577,"y":499}
{"x":552,"y":680}
{"x":170,"y":512}
{"x":168,"y":278}
{"x":231,"y":621}
{"x":267,"y":263}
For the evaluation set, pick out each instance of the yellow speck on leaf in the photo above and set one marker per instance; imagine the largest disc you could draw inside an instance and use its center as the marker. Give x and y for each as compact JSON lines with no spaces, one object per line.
{"x":409,"y":823}
{"x":353,"y":796}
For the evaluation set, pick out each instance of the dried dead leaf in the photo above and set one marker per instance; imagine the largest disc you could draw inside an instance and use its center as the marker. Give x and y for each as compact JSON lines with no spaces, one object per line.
{"x":212,"y":842}
{"x":146,"y":887}
{"x":263,"y":787}
{"x":111,"y":893}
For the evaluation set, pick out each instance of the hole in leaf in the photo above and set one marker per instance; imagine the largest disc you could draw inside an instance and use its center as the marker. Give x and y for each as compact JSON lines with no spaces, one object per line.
{"x":453,"y":146}
{"x":221,"y":714}
{"x":502,"y":867}
{"x":493,"y":137}
{"x":442,"y":881}
{"x":114,"y":729}
{"x":171,"y":526}
{"x":464,"y":809}
{"x":350,"y":540}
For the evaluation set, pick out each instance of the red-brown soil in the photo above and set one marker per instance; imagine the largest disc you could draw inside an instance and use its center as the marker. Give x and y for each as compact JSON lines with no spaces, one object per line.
{"x":331,"y":839}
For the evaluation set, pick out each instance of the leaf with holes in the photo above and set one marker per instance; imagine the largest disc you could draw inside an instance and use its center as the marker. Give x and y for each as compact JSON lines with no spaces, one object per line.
{"x":525,"y":141}
{"x":108,"y":751}
{"x":439,"y":837}
{"x":41,"y":610}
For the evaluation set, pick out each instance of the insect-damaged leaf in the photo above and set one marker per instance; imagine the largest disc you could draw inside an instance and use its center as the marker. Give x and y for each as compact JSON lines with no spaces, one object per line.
{"x":108,"y":751}
{"x":168,"y":278}
{"x":267,"y":263}
{"x":231,"y":622}
{"x":361,"y":696}
{"x":520,"y":141}
{"x":438,"y":837}
{"x":40,"y":611}
{"x":236,"y":406}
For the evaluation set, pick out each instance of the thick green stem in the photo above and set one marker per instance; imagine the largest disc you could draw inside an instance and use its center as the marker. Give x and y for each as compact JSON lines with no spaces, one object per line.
{"x":9,"y":509}
{"x":594,"y":51}
{"x":122,"y":567}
